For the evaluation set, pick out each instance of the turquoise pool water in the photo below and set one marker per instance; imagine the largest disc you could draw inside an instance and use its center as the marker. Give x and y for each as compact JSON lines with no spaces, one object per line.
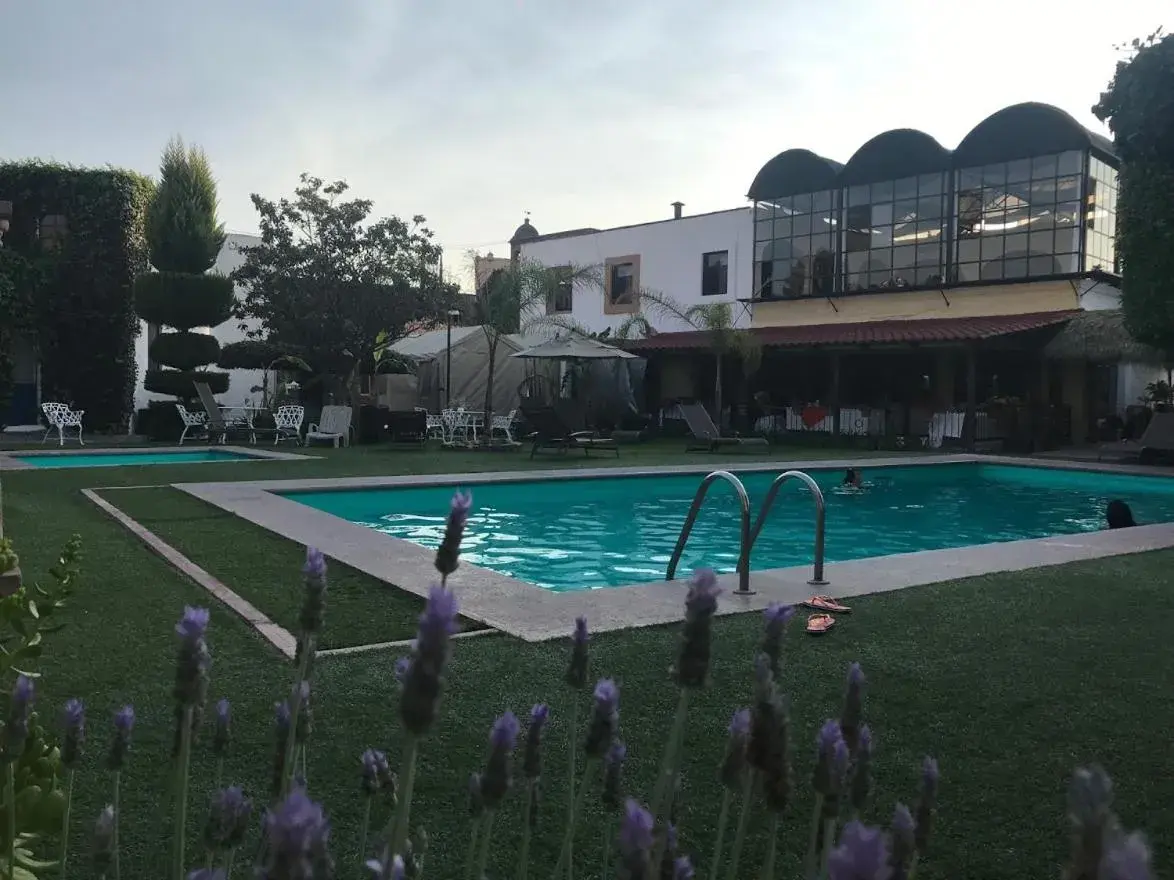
{"x":121,"y":459}
{"x":581,"y":534}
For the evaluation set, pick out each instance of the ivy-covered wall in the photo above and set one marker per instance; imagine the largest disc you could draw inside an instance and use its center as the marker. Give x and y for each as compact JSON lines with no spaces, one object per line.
{"x":71,"y":283}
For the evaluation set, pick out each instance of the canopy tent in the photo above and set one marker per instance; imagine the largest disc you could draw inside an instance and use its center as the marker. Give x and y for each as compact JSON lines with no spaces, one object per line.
{"x":470,"y":370}
{"x":574,"y":348}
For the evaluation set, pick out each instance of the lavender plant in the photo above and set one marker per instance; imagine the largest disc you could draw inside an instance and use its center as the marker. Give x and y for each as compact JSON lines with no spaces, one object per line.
{"x":73,"y":740}
{"x":532,"y":774}
{"x":124,"y":723}
{"x":576,"y":679}
{"x":191,"y":688}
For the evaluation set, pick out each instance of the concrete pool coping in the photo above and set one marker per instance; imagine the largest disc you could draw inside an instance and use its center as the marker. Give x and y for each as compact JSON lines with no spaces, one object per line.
{"x":532,"y":613}
{"x":10,"y":460}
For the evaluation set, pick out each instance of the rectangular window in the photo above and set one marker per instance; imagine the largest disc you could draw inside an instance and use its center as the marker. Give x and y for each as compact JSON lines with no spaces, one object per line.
{"x":715,"y":273}
{"x":622,"y":283}
{"x":560,"y":300}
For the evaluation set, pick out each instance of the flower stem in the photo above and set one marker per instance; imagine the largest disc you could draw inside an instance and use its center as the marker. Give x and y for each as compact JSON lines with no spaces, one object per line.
{"x":403,"y":809}
{"x":486,"y":835}
{"x":471,"y":854}
{"x":811,"y":862}
{"x":291,"y":744}
{"x":117,"y":819}
{"x":723,"y":819}
{"x":366,"y":828}
{"x":181,"y":794}
{"x":572,"y":762}
{"x":10,"y":806}
{"x":524,"y":857}
{"x":228,"y":865}
{"x":609,"y":832}
{"x":829,"y":840}
{"x":65,"y":819}
{"x":748,"y":786}
{"x":912,"y":872}
{"x":768,"y":869}
{"x":564,"y":858}
{"x":668,"y":763}
{"x":219,"y":773}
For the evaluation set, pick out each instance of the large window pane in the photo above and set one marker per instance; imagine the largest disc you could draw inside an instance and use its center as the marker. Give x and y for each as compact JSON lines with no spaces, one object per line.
{"x":1018,"y":171}
{"x":763,"y":231}
{"x":882,"y":215}
{"x":906,"y":188}
{"x":1070,"y":162}
{"x":1044,"y":167}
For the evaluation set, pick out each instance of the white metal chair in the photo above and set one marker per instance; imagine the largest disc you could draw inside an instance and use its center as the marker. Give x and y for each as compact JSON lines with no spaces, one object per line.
{"x":195,"y":422}
{"x":433,"y":424}
{"x":334,"y":425}
{"x":61,"y":417}
{"x":505,"y":424}
{"x":287,"y":423}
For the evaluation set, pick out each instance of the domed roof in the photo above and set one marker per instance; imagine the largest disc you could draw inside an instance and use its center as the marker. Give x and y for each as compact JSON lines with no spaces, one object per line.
{"x":1022,"y":131}
{"x":891,"y":155}
{"x":793,"y":172}
{"x":525,"y":232}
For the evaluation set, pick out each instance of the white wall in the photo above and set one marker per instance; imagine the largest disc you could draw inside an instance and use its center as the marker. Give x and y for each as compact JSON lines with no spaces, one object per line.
{"x":670,"y":262}
{"x":239,"y":381}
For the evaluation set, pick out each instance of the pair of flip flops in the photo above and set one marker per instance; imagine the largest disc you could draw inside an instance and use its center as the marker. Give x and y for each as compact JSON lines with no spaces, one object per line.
{"x":818,"y":624}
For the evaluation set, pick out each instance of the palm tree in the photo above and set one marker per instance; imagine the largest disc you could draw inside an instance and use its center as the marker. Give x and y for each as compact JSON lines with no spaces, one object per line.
{"x":714,"y":319}
{"x":515,"y":299}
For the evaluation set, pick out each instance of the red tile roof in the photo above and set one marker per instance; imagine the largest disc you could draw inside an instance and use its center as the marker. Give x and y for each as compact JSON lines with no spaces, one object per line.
{"x":901,"y":332}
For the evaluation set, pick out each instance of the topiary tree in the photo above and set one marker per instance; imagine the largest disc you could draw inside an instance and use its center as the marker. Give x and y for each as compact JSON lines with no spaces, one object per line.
{"x":1139,"y":108}
{"x":184,"y":240}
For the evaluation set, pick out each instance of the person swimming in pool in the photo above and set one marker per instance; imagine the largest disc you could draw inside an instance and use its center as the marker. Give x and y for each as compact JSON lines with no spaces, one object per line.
{"x":852,"y":479}
{"x":1119,"y":515}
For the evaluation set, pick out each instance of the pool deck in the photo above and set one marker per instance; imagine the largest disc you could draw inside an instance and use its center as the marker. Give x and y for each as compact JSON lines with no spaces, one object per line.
{"x":531,"y":613}
{"x":10,"y":460}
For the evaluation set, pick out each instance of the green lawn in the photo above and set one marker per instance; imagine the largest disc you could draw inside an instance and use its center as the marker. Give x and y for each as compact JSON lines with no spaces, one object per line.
{"x":1009,"y":680}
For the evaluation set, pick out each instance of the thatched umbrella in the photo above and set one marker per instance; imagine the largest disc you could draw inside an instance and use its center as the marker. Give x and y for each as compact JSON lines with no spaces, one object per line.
{"x":1100,"y":337}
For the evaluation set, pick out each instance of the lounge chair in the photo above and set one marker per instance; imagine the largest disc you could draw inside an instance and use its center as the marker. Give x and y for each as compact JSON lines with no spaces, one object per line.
{"x":551,"y":432}
{"x":1157,"y":437}
{"x":705,"y":434}
{"x":218,"y":427}
{"x":334,"y":424}
{"x":61,"y":416}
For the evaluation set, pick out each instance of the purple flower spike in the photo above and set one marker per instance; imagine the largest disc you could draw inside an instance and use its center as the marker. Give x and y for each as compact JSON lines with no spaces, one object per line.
{"x":497,"y":778}
{"x":831,"y":760}
{"x":605,"y":719}
{"x":740,"y":724}
{"x":424,"y":678}
{"x":448,"y":554}
{"x":902,"y":829}
{"x":504,"y":734}
{"x":696,"y":634}
{"x":580,"y":636}
{"x":862,"y":776}
{"x":778,"y":615}
{"x":635,"y":838}
{"x":402,"y":665}
{"x":193,"y":625}
{"x":929,"y":775}
{"x":683,"y":869}
{"x":315,"y":566}
{"x":577,"y":669}
{"x":124,"y":725}
{"x":298,"y":834}
{"x":703,"y":590}
{"x":532,"y":756}
{"x":776,"y":619}
{"x":862,"y":854}
{"x":73,"y":720}
{"x":228,"y":819}
{"x":192,"y":662}
{"x":613,"y":771}
{"x":223,"y":732}
{"x":1127,"y":858}
{"x":607,"y":695}
{"x":16,"y":729}
{"x":734,"y":764}
{"x":103,"y":845}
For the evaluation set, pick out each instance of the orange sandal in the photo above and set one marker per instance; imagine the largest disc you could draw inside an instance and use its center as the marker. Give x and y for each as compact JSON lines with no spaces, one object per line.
{"x":827,"y":603}
{"x":818,"y":624}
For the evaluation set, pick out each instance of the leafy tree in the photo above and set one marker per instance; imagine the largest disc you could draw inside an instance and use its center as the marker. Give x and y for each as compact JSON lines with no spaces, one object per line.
{"x":333,"y":288}
{"x":515,"y":299}
{"x":716,"y":320}
{"x":184,"y":239}
{"x":1139,"y":108}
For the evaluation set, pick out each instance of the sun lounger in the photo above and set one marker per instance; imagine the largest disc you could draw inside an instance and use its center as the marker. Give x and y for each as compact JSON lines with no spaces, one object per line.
{"x":1157,"y":437}
{"x":549,"y":431}
{"x":218,"y":427}
{"x":705,"y":435}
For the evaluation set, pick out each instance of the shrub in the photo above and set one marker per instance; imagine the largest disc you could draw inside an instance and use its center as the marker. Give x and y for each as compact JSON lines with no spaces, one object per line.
{"x":183,"y":301}
{"x":179,"y":383}
{"x":259,"y":354}
{"x":76,"y":295}
{"x":185,"y":351}
{"x":757,"y":770}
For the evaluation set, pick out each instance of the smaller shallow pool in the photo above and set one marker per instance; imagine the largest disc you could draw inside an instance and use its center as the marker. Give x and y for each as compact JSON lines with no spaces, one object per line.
{"x":123,"y":459}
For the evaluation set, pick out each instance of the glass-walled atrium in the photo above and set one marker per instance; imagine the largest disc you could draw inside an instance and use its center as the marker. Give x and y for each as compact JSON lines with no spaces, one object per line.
{"x":1029,"y":194}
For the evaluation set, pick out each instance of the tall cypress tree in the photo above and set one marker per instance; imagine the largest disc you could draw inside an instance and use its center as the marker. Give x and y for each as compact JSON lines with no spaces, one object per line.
{"x":184,"y":239}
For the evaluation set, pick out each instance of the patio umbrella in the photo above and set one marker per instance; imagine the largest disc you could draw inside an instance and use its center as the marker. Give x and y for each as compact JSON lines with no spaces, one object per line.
{"x":574,"y":348}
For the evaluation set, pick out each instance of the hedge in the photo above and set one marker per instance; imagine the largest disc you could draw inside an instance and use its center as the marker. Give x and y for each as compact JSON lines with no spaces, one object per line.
{"x":83,"y":318}
{"x":179,"y":383}
{"x":258,"y":354}
{"x":184,"y":301}
{"x":185,"y":351}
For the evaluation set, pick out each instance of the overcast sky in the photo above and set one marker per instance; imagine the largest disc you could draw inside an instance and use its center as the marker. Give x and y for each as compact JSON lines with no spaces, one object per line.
{"x":472,"y":112}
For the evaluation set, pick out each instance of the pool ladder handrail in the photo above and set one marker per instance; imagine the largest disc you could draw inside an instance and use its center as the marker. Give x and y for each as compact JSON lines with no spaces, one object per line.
{"x":744,"y":543}
{"x":817,"y":578}
{"x":750,"y":534}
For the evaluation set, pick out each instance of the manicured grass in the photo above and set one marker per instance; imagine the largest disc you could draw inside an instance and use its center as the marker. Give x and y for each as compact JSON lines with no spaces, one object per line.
{"x":1009,"y":680}
{"x":264,"y":568}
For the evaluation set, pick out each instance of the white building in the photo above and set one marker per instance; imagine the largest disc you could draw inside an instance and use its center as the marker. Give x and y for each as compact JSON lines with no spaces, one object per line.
{"x":703,"y":258}
{"x":240,"y":382}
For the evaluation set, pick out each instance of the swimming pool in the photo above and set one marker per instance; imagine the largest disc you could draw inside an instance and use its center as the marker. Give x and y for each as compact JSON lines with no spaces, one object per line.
{"x":587,"y":533}
{"x":121,"y":459}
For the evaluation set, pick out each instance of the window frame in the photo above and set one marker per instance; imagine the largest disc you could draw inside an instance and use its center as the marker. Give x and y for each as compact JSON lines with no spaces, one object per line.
{"x":610,"y":306}
{"x":723,"y":269}
{"x":565,"y":284}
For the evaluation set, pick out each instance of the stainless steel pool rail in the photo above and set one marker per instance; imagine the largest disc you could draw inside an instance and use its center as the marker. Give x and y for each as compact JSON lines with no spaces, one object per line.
{"x":749,"y":534}
{"x":744,"y":551}
{"x":817,"y":579}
